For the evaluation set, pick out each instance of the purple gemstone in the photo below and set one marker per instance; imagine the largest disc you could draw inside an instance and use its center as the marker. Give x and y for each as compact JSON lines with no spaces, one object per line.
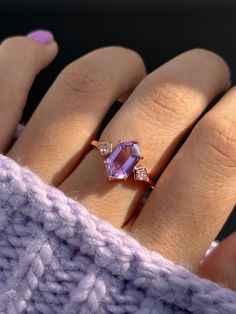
{"x":122,"y":160}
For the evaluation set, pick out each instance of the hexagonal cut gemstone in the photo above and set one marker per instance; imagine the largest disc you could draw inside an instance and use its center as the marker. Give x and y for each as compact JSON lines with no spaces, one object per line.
{"x":122,"y":160}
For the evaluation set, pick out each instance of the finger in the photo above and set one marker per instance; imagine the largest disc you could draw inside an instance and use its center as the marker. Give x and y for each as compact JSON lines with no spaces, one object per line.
{"x":21,"y":59}
{"x":124,"y":97}
{"x":157,"y":114}
{"x":71,"y":112}
{"x":196,"y":192}
{"x":220,"y":264}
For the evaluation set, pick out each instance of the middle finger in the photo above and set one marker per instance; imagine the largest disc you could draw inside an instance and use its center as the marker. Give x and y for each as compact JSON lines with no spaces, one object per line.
{"x":158,"y":114}
{"x":72,"y":110}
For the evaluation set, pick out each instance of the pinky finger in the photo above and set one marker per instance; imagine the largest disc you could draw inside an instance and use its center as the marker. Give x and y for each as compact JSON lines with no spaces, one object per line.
{"x":220,"y":264}
{"x":21,"y":59}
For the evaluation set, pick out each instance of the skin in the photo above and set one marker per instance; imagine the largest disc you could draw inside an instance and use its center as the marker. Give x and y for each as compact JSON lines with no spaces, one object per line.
{"x":195,"y":191}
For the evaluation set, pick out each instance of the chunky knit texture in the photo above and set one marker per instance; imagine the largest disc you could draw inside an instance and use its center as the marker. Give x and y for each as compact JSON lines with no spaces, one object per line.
{"x":56,"y":257}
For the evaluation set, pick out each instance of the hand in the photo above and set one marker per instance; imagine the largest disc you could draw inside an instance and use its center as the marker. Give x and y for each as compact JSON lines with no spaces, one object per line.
{"x":196,"y":188}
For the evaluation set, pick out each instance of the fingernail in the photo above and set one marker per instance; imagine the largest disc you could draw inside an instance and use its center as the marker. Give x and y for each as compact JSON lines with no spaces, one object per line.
{"x":42,"y":36}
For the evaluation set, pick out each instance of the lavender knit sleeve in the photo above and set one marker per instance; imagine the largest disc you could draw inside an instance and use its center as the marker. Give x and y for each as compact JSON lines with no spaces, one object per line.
{"x":57,"y":258}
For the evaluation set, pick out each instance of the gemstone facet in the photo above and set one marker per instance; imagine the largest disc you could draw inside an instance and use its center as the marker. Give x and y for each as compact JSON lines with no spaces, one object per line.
{"x":141,"y":174}
{"x":105,"y":148}
{"x":120,"y":163}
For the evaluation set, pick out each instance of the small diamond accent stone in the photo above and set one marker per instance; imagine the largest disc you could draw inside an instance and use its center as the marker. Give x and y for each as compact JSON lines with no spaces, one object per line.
{"x":141,"y":174}
{"x":105,"y":148}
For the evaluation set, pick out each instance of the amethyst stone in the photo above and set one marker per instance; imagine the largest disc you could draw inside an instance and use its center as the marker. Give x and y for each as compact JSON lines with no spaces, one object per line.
{"x":122,"y":160}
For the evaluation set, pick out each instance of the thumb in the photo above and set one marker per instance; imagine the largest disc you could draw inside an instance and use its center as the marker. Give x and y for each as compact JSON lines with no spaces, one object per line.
{"x":220,"y":264}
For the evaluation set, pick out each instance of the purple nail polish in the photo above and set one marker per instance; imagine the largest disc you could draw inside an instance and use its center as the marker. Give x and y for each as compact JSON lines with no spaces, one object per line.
{"x":42,"y":36}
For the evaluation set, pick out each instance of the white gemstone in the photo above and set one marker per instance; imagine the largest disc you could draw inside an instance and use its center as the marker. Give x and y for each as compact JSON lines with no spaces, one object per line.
{"x":105,"y":148}
{"x":136,"y":150}
{"x":141,"y":174}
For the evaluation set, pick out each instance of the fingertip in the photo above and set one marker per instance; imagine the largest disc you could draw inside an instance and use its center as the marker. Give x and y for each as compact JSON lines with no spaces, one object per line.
{"x":46,"y":38}
{"x":53,"y":48}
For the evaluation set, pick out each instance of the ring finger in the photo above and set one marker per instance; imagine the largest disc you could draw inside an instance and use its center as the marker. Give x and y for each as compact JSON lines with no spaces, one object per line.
{"x":158,"y":114}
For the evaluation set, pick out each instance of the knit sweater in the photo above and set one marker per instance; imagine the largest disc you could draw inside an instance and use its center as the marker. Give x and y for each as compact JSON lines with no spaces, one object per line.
{"x":58,"y":258}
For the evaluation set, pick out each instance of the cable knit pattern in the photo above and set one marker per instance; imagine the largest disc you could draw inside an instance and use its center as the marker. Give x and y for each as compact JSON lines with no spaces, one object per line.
{"x":56,"y":257}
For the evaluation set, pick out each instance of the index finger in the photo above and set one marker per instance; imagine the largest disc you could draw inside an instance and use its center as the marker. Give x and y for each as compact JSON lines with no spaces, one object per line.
{"x":21,"y":59}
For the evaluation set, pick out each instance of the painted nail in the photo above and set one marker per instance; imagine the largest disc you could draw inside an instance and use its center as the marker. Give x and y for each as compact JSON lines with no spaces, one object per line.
{"x":42,"y":36}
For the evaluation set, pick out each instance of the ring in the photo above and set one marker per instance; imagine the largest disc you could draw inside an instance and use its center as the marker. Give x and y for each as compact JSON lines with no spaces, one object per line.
{"x":121,"y":161}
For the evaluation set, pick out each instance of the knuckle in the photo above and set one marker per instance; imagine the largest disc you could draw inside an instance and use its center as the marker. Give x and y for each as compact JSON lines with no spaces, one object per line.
{"x":218,"y":137}
{"x":127,"y":54}
{"x":17,"y":44}
{"x":22,"y":50}
{"x":201,"y":52}
{"x":85,"y":79}
{"x":14,"y":46}
{"x":210,"y":56}
{"x":167,"y":101}
{"x":11,"y":42}
{"x":5,"y":100}
{"x":119,"y":51}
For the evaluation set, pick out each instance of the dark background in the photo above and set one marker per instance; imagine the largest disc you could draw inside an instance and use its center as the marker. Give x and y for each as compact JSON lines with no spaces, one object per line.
{"x":158,"y":30}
